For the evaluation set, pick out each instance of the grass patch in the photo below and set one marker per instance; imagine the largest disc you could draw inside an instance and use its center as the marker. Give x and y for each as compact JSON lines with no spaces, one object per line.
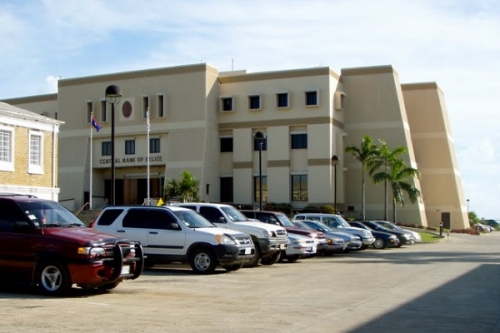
{"x":429,"y":238}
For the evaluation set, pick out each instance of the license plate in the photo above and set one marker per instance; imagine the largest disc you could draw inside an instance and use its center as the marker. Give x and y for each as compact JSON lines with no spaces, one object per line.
{"x":248,"y":250}
{"x":125,"y":270}
{"x":282,"y":246}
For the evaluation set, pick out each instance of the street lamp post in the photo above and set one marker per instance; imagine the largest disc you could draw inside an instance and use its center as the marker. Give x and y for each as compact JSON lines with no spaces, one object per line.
{"x":260,"y":137}
{"x":468,"y":218}
{"x":335,"y":161}
{"x":113,"y":97}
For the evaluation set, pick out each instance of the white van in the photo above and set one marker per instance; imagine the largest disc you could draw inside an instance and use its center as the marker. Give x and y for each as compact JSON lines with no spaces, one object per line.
{"x":269,"y":239}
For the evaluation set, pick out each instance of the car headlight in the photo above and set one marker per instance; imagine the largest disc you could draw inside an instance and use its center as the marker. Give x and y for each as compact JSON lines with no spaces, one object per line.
{"x":393,"y":237}
{"x":224,"y":239}
{"x":92,"y":252}
{"x":407,"y":236}
{"x":267,"y":234}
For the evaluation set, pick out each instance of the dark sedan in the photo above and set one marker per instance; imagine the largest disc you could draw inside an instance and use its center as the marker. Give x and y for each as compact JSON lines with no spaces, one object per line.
{"x":382,"y":239}
{"x":405,"y":238}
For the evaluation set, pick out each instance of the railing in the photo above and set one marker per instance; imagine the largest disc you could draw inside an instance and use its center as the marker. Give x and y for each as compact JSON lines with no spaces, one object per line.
{"x":82,"y":208}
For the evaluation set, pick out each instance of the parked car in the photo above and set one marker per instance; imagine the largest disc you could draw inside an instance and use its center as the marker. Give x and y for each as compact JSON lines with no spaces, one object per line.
{"x":390,"y":225}
{"x":269,"y":239}
{"x":405,"y":238}
{"x":279,"y":218}
{"x":483,"y":227}
{"x":351,"y":242}
{"x":382,"y":239}
{"x":337,"y":222}
{"x":298,"y":247}
{"x":493,"y":223}
{"x":176,"y":234}
{"x":44,"y":244}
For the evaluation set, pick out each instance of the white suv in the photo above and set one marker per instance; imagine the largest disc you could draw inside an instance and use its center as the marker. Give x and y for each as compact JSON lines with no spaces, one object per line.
{"x":269,"y":239}
{"x":175,"y":234}
{"x":337,"y":222}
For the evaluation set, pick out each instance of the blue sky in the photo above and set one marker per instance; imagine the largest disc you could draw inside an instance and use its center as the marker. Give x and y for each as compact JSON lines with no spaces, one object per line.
{"x":455,"y":43}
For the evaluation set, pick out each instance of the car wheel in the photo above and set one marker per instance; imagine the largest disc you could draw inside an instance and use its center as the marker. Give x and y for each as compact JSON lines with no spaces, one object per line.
{"x":272,"y":259}
{"x":379,"y":244}
{"x":202,"y":261}
{"x":256,"y":257}
{"x":293,"y":258}
{"x":53,"y":278}
{"x":232,"y":268}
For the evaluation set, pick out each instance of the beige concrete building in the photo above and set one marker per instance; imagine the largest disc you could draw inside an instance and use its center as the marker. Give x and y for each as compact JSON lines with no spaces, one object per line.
{"x":204,"y":121}
{"x":28,"y":153}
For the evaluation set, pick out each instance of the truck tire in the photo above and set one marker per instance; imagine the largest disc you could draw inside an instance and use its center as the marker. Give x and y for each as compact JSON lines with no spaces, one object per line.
{"x":202,"y":261}
{"x":232,"y":268}
{"x":272,"y":259}
{"x":256,"y":258}
{"x":53,"y":278}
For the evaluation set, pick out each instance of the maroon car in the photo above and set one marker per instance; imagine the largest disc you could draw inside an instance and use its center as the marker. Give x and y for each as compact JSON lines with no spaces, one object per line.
{"x":44,"y":244}
{"x":281,"y":219}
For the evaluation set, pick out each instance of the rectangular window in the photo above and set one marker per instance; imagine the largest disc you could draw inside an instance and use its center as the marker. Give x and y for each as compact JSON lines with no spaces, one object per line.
{"x":161,"y":106}
{"x":299,"y":141}
{"x":226,"y":189}
{"x":103,"y":111}
{"x":257,"y":142}
{"x":226,"y":104}
{"x":145,"y":106}
{"x":106,"y":148}
{"x":6,"y":150}
{"x":254,"y":102}
{"x":226,"y":145}
{"x":36,"y":153}
{"x":311,"y":98}
{"x":129,"y":147}
{"x":299,"y":188}
{"x":256,"y":186}
{"x":89,"y":111}
{"x":154,"y":145}
{"x":282,"y":100}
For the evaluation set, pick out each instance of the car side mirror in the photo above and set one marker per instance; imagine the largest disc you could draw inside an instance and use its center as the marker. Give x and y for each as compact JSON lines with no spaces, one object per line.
{"x":175,"y":226}
{"x":21,"y":225}
{"x":222,"y":219}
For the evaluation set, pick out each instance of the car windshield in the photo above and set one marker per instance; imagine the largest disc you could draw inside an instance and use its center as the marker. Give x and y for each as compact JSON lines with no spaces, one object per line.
{"x":285,"y":220}
{"x":302,"y":225}
{"x":324,"y":227}
{"x":49,"y":214}
{"x":388,"y":225}
{"x":192,"y":219}
{"x":235,"y":215}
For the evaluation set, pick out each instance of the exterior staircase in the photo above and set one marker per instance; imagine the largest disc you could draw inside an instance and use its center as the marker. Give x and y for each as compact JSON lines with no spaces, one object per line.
{"x":87,"y":216}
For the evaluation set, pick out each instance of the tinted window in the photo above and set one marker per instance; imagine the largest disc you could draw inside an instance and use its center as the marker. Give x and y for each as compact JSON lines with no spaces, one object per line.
{"x":135,"y":218}
{"x":160,"y":219}
{"x":212,"y":214}
{"x":9,"y":213}
{"x":109,"y":216}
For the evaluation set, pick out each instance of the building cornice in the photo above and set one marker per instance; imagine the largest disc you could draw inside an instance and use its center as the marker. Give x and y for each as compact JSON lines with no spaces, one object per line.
{"x":31,"y":99}
{"x":386,"y":69}
{"x":420,"y":86}
{"x":262,"y":76}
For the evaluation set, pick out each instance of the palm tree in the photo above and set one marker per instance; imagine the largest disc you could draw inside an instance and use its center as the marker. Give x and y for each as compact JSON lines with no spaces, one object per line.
{"x":384,"y":158}
{"x":398,"y":173}
{"x":364,"y":153}
{"x":186,"y":189}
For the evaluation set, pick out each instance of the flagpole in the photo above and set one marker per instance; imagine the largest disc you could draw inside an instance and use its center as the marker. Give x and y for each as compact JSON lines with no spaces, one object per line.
{"x":90,"y":168}
{"x":147,"y":139}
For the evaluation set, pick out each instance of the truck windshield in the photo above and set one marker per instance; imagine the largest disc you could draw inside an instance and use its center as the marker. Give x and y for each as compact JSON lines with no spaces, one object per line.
{"x":235,"y":215}
{"x":48,"y":213}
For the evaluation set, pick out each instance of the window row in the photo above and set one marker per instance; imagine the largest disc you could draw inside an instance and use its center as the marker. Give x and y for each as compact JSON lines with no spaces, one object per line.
{"x":8,"y":149}
{"x":297,"y":141}
{"x":126,"y":108}
{"x":282,"y":101}
{"x":154,"y":147}
{"x":298,"y":188}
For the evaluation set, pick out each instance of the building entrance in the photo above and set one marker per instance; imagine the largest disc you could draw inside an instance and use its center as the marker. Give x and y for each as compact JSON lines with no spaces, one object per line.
{"x":133,"y":191}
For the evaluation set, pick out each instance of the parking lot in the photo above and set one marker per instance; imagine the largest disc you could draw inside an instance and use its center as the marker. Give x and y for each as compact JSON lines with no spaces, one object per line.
{"x":450,"y":286}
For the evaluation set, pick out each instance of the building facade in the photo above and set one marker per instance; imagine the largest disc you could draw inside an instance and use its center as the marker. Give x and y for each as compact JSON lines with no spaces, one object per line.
{"x":28,"y":153}
{"x":204,"y":121}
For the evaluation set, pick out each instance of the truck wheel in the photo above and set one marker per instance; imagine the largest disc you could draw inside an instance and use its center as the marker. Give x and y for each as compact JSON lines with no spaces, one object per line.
{"x":232,"y":268}
{"x":53,"y":278}
{"x":379,"y":244}
{"x":202,"y":261}
{"x":271,"y":260}
{"x":255,"y":259}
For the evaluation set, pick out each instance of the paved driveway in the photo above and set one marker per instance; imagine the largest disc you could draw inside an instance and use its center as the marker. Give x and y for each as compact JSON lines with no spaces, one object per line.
{"x":452,"y":286}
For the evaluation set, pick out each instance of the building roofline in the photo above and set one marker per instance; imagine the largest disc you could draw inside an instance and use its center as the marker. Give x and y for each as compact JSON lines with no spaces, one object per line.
{"x":31,"y":99}
{"x":293,"y":73}
{"x":384,"y":69}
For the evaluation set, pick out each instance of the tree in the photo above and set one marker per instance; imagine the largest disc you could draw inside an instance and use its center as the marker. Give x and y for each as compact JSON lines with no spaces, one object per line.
{"x":364,"y":153}
{"x":186,"y":189}
{"x":397,"y":174}
{"x":383,"y":159}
